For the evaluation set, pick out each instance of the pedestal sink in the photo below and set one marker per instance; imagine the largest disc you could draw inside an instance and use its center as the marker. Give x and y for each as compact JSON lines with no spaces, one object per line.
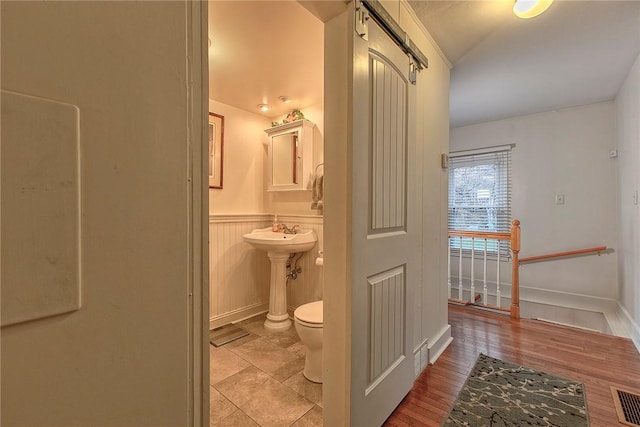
{"x":279,"y":246}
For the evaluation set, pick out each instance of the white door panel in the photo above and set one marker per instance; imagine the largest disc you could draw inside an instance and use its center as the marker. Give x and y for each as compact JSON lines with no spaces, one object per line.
{"x":385,"y":226}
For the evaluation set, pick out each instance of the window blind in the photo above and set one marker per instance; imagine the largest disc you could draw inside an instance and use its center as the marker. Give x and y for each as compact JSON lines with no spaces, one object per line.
{"x":480,"y":191}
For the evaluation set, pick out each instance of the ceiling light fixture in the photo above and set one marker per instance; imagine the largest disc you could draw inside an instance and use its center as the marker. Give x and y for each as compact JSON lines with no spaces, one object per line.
{"x":285,"y":99}
{"x":264,"y":107}
{"x":526,"y":9}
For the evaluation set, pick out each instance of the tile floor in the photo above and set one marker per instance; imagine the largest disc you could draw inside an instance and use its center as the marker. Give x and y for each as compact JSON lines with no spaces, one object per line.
{"x":257,"y":381}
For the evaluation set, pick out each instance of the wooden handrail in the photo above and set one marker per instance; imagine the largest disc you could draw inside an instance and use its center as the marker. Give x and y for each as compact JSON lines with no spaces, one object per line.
{"x":489,"y":235}
{"x":564,"y":254}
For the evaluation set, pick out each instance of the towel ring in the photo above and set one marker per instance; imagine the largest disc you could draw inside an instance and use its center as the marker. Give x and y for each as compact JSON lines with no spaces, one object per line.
{"x":320,"y":164}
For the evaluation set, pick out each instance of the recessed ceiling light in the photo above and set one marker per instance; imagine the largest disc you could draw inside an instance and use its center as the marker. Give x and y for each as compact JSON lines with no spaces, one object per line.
{"x":526,"y":9}
{"x":285,"y":99}
{"x":264,"y":107}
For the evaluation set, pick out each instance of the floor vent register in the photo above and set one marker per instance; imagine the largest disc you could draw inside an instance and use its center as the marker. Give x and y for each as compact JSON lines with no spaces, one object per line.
{"x":627,"y":406}
{"x":225,"y":334}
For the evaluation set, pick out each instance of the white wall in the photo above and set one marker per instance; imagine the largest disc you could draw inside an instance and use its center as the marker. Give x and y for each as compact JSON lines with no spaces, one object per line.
{"x":560,"y":152}
{"x":123,"y":358}
{"x":628,"y":126}
{"x":431,"y":331}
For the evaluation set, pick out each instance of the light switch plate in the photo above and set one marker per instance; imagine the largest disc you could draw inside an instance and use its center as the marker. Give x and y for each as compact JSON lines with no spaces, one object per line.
{"x":559,"y":199}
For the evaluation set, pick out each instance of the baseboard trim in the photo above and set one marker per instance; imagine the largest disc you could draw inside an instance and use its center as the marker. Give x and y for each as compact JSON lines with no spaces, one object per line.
{"x":542,"y":296}
{"x":567,"y":299}
{"x":633,"y":329}
{"x":237,"y":315}
{"x":439,"y":344}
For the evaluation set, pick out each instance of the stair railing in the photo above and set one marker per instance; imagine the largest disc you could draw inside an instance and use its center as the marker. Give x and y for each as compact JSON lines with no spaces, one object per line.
{"x":569,"y":254}
{"x":488,"y":241}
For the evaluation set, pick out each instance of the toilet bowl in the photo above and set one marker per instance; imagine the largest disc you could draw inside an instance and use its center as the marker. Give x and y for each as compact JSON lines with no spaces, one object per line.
{"x":308,"y":323}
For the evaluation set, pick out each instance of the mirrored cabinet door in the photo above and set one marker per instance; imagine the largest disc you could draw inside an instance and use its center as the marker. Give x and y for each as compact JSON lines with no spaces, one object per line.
{"x":290,"y":156}
{"x":284,"y":161}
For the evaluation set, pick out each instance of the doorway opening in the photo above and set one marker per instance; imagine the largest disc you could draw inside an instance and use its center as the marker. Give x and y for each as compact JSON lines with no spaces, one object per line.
{"x":265,"y":63}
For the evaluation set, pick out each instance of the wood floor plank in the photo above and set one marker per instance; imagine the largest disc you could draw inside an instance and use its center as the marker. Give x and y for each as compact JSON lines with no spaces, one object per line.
{"x":598,"y":360}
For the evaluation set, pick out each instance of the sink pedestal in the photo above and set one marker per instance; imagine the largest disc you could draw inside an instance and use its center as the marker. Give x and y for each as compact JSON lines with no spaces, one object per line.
{"x":279,"y":246}
{"x":278,"y":317}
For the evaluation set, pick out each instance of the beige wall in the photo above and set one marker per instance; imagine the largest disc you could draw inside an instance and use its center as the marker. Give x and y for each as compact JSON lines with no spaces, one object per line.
{"x":244,"y":157}
{"x":245,"y":165}
{"x":122,"y":359}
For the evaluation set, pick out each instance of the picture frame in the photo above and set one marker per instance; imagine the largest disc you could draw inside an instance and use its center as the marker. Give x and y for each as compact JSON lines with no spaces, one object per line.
{"x":216,"y":150}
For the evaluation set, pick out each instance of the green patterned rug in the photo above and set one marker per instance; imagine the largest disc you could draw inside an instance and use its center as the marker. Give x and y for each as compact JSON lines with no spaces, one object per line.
{"x":498,"y":393}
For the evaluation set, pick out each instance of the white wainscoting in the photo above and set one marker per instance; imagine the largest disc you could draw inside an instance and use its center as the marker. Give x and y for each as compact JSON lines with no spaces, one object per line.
{"x":308,"y":286}
{"x":239,"y":274}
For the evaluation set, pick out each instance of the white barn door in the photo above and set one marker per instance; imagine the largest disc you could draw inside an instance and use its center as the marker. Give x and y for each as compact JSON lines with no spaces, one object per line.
{"x":386,"y":231}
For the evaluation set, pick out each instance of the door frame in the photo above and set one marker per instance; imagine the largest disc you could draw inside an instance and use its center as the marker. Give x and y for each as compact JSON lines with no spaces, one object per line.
{"x":338,"y":142}
{"x":196,"y":51}
{"x":338,"y":19}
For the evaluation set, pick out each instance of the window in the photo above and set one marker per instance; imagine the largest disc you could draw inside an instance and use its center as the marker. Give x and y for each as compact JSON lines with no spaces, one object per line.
{"x":480,"y":194}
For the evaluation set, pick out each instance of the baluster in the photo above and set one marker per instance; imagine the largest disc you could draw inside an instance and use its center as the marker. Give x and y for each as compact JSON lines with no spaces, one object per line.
{"x":515,"y":275}
{"x":449,"y":265}
{"x":460,"y":271}
{"x":484,"y":298}
{"x":498,"y":300}
{"x":472,"y":298}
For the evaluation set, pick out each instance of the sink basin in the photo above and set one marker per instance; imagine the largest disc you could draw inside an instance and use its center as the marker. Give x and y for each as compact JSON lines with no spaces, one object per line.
{"x":272,"y":241}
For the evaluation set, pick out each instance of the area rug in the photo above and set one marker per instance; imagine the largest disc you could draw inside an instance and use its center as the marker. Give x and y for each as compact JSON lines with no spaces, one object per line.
{"x":498,"y":393}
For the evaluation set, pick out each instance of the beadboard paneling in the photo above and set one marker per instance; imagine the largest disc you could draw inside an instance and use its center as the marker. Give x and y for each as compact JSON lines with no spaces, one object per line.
{"x":308,"y":286}
{"x":239,"y":274}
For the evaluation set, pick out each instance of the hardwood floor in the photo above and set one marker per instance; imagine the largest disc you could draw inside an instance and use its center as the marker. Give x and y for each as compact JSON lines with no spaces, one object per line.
{"x":596,"y":359}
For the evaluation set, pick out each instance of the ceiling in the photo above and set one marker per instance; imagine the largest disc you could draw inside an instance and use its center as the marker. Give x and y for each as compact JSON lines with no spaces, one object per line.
{"x":576,"y":53}
{"x":261,"y":50}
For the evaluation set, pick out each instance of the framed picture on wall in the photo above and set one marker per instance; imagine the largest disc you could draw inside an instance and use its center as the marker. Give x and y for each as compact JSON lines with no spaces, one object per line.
{"x":216,"y":142}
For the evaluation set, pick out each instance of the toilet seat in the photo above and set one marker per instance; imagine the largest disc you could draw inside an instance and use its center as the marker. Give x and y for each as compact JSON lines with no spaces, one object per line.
{"x":309,"y":315}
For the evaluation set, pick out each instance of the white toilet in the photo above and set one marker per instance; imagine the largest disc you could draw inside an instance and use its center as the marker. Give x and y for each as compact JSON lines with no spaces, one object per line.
{"x":308,"y":321}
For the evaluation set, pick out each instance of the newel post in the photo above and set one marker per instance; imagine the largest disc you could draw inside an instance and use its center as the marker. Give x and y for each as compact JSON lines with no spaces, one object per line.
{"x":515,"y":277}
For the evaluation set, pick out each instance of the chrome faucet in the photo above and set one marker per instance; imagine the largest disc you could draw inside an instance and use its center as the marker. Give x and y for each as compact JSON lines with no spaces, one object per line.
{"x":287,"y":230}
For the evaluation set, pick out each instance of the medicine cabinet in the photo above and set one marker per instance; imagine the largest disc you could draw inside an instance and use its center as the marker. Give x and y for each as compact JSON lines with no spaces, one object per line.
{"x":290,"y":156}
